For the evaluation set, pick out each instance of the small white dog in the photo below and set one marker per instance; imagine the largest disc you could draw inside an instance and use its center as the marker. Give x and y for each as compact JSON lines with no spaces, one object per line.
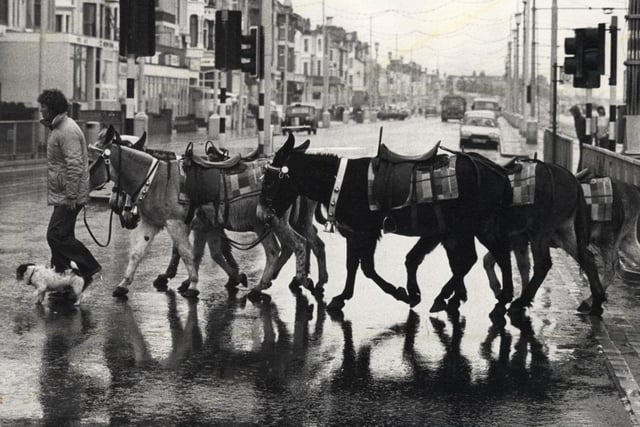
{"x":46,"y":279}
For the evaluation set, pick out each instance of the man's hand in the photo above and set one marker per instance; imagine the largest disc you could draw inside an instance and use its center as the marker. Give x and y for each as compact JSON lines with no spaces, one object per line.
{"x":70,"y":204}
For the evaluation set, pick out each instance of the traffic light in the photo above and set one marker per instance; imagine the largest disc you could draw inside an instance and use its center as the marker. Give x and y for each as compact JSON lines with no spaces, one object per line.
{"x":228,"y":34}
{"x":251,"y":53}
{"x":137,"y":27}
{"x":593,"y":50}
{"x":572,"y":47}
{"x":587,"y":62}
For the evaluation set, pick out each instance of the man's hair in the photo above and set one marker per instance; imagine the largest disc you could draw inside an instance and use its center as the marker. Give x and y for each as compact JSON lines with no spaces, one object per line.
{"x":601,"y":108}
{"x":54,"y":100}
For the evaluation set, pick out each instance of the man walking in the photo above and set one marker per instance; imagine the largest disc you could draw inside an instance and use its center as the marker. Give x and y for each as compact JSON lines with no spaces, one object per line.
{"x":67,"y":185}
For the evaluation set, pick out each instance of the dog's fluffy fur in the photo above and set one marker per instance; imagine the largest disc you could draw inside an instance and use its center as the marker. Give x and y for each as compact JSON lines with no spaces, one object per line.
{"x":46,"y":279}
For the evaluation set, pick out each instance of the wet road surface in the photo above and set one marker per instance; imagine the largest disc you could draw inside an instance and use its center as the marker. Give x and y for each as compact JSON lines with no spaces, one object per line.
{"x":160,"y":359}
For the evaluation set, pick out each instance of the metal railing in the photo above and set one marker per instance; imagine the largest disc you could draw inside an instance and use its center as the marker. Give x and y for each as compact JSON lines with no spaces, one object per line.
{"x":22,"y":139}
{"x":600,"y":161}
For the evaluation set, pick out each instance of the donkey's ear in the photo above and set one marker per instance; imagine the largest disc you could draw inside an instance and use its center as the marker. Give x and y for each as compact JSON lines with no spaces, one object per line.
{"x":302,"y":147}
{"x":118,"y":140}
{"x":139,"y":145}
{"x":111,"y":131}
{"x":288,"y":145}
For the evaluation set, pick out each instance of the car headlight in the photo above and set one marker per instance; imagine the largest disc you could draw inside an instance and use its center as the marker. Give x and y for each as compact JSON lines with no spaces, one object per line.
{"x":465,"y":133}
{"x":494,"y":136}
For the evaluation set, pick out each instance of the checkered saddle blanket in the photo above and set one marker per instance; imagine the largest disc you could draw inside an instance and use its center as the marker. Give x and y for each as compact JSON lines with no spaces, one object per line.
{"x":412,"y":183}
{"x":598,"y":193}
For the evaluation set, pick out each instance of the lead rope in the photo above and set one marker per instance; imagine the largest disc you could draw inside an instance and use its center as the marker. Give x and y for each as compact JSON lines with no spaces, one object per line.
{"x":84,"y":211}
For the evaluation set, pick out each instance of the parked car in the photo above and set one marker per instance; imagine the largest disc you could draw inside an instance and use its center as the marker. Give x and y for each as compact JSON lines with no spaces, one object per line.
{"x":452,"y":107}
{"x":392,"y":114}
{"x":487,"y":104}
{"x":430,"y":110}
{"x":300,"y":117}
{"x":479,"y":127}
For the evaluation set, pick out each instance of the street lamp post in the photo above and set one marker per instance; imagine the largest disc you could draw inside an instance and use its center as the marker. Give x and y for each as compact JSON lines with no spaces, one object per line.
{"x":326,"y":120}
{"x":516,"y":67}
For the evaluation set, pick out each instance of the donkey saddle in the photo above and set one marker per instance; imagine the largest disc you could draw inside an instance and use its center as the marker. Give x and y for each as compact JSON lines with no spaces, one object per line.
{"x":204,"y":181}
{"x":394,"y":174}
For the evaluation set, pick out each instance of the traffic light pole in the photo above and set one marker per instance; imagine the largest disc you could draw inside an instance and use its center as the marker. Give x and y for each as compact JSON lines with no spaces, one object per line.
{"x":613,"y":79}
{"x":223,"y":106}
{"x":267,"y":22}
{"x":130,"y":105}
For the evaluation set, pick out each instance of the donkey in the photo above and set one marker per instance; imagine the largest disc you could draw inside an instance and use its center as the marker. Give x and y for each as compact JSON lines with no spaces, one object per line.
{"x":485,"y":193}
{"x":155,"y":187}
{"x":213,"y":234}
{"x":558,"y":217}
{"x":610,"y":240}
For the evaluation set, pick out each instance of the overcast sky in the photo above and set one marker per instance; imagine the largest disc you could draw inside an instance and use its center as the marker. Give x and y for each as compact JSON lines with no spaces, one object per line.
{"x":458,"y":36}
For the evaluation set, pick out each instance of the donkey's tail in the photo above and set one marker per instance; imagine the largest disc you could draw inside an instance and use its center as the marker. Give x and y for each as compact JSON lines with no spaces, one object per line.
{"x":582,"y":225}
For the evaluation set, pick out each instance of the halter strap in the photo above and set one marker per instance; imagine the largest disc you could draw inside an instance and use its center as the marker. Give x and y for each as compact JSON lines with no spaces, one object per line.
{"x":144,"y":189}
{"x":335,"y":195}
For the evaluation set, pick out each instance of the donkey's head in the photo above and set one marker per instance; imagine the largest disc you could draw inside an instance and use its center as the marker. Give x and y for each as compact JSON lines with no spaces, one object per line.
{"x":281,"y":177}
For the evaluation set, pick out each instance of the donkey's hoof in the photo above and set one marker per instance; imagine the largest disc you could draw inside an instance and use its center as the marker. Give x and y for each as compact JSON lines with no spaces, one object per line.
{"x":335,"y":305}
{"x":453,"y":306}
{"x":308,"y":283}
{"x":414,"y":299}
{"x":161,"y":282}
{"x":505,"y":297}
{"x":318,"y":292}
{"x":120,"y":292}
{"x":584,"y":307}
{"x":596,"y":310}
{"x":190,"y":293}
{"x":184,"y":286}
{"x":254,"y":295}
{"x":401,"y":295}
{"x":497,"y":315}
{"x":438,"y":305}
{"x":243,"y":280}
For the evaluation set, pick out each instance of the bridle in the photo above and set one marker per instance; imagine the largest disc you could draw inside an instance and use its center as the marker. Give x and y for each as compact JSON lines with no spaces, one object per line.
{"x":283,"y":173}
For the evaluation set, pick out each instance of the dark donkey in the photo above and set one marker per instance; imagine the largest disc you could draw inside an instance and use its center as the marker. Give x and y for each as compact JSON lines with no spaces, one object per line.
{"x":556,"y":217}
{"x":484,"y":193}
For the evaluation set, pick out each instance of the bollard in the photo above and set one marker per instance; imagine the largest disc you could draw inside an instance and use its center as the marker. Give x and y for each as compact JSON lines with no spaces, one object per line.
{"x":326,"y":119}
{"x":345,"y":117}
{"x":140,"y":123}
{"x":214,"y":126}
{"x":532,"y":132}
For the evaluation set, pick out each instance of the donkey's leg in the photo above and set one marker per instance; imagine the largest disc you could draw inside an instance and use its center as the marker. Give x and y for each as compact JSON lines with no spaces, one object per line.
{"x":160,"y":283}
{"x":610,"y":260}
{"x":272,"y":250}
{"x":367,"y":264}
{"x":414,"y":258}
{"x":179,"y":232}
{"x":353,"y":261}
{"x":629,"y":245}
{"x":489,"y":264}
{"x":141,"y":238}
{"x":540,"y":250}
{"x":199,"y":231}
{"x":569,"y":243}
{"x":310,"y":233}
{"x":291,"y":240}
{"x":461,"y":253}
{"x":220,"y":251}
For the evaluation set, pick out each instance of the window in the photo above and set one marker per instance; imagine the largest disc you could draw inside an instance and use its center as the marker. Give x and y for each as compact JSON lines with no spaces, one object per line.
{"x":37,"y":12}
{"x":4,"y":12}
{"x":208,"y":37}
{"x":319,"y":68}
{"x":280,"y":64}
{"x":59,"y":20}
{"x":193,"y":30}
{"x":317,"y":95}
{"x":319,"y":45}
{"x":79,"y":66}
{"x":306,"y":45}
{"x":305,"y":66}
{"x":89,"y":19}
{"x":107,"y":23}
